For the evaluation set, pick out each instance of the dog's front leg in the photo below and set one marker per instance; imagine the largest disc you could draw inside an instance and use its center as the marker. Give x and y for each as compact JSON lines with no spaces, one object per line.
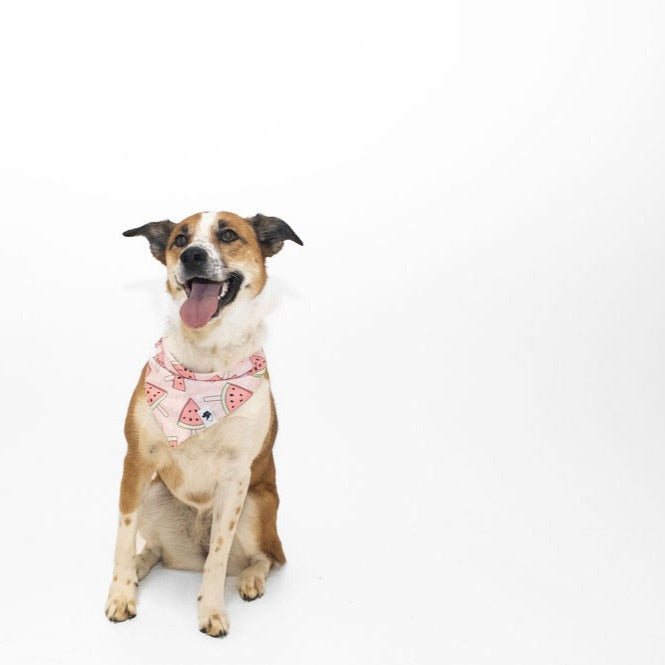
{"x":229,"y":498}
{"x":121,"y":603}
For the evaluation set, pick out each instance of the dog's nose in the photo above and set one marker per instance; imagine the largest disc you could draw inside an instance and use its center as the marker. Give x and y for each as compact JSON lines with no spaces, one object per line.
{"x":194,"y":257}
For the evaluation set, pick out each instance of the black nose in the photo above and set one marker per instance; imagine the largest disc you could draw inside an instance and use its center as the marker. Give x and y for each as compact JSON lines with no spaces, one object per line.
{"x":194,"y":257}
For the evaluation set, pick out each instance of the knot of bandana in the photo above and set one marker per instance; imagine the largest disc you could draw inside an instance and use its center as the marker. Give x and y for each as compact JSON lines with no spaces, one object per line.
{"x":186,"y":402}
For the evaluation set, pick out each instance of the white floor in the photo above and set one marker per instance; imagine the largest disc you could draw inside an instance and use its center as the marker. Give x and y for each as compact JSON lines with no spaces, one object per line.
{"x":472,"y":550}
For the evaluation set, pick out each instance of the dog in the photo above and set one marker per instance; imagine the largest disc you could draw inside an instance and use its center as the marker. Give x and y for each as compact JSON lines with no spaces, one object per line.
{"x":198,"y":478}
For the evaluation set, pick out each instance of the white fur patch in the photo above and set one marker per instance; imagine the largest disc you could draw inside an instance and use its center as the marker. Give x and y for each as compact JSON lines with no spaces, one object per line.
{"x":216,"y":269}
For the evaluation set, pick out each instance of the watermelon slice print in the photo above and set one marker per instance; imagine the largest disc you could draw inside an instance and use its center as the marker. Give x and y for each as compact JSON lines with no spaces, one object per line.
{"x":258,"y":365}
{"x":173,"y":441}
{"x":181,"y":371}
{"x":232,"y":397}
{"x":155,"y":395}
{"x":159,"y":359}
{"x":179,"y":381}
{"x":189,"y":416}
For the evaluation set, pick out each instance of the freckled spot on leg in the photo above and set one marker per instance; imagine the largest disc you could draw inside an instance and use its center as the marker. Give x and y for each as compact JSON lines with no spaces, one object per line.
{"x":199,"y":597}
{"x":231,"y":525}
{"x":128,"y":520}
{"x":216,"y":549}
{"x":129,"y":582}
{"x":238,"y":509}
{"x":115,"y":578}
{"x":220,"y":540}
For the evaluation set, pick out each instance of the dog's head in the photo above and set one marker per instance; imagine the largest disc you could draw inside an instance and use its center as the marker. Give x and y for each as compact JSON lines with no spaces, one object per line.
{"x":214,"y":259}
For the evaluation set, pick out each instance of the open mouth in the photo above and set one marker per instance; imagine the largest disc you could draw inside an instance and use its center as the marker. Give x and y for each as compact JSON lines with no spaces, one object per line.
{"x":205,"y":299}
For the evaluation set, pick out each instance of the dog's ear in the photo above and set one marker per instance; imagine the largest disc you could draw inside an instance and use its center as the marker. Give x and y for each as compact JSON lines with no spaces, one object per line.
{"x":271,"y":233}
{"x":157,"y":234}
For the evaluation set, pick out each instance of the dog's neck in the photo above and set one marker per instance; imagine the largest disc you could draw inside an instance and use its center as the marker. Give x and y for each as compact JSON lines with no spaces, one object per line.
{"x":226,"y":341}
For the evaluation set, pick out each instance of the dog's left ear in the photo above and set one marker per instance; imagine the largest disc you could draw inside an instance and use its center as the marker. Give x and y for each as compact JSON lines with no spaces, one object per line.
{"x":271,"y":233}
{"x":157,"y":234}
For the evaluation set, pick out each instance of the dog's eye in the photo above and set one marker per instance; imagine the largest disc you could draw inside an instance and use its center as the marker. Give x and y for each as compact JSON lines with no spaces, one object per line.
{"x":180,"y":240}
{"x":228,"y":235}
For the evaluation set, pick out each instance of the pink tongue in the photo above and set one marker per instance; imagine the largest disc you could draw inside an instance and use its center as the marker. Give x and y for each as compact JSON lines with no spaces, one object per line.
{"x":201,"y":304}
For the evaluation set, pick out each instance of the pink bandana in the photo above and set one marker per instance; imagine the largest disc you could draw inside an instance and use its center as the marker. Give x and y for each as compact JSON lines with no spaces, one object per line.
{"x":186,"y":402}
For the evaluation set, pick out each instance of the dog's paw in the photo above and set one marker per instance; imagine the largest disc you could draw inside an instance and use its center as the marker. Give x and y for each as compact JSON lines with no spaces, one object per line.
{"x":251,"y":585}
{"x":213,"y":622}
{"x":120,"y":608}
{"x":121,"y":602}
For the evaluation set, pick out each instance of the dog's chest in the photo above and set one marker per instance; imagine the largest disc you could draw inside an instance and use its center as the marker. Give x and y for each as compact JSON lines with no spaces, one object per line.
{"x":219,"y":454}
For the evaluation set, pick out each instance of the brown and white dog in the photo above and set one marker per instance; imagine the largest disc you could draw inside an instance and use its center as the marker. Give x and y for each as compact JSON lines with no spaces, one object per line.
{"x":209,"y":504}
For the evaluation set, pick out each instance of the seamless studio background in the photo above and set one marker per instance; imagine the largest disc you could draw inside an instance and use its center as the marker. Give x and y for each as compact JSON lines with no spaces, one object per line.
{"x":467,"y":356}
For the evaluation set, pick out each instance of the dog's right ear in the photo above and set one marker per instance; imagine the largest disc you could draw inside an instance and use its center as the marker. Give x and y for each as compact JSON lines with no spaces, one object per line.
{"x":157,"y":234}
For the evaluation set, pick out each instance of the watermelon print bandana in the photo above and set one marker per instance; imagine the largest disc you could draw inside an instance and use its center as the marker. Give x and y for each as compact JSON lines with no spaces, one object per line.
{"x":186,"y":402}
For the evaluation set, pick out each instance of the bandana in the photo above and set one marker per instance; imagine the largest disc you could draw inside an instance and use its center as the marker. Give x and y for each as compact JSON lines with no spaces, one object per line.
{"x":186,"y":402}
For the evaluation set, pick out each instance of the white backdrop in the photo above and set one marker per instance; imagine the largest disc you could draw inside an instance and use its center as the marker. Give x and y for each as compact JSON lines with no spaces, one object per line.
{"x":467,"y":359}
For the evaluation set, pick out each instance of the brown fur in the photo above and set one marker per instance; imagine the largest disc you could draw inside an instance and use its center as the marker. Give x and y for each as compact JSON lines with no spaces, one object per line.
{"x":137,"y":468}
{"x":263,"y":489}
{"x":142,"y":461}
{"x":246,"y":253}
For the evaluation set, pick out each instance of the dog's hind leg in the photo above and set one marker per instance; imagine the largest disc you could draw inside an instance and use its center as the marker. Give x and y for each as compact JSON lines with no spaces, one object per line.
{"x":257,"y":535}
{"x":174,"y":533}
{"x":252,"y":580}
{"x":146,"y":560}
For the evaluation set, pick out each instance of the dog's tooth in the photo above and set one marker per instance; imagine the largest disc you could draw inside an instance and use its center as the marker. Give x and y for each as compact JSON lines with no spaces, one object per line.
{"x":225,"y":287}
